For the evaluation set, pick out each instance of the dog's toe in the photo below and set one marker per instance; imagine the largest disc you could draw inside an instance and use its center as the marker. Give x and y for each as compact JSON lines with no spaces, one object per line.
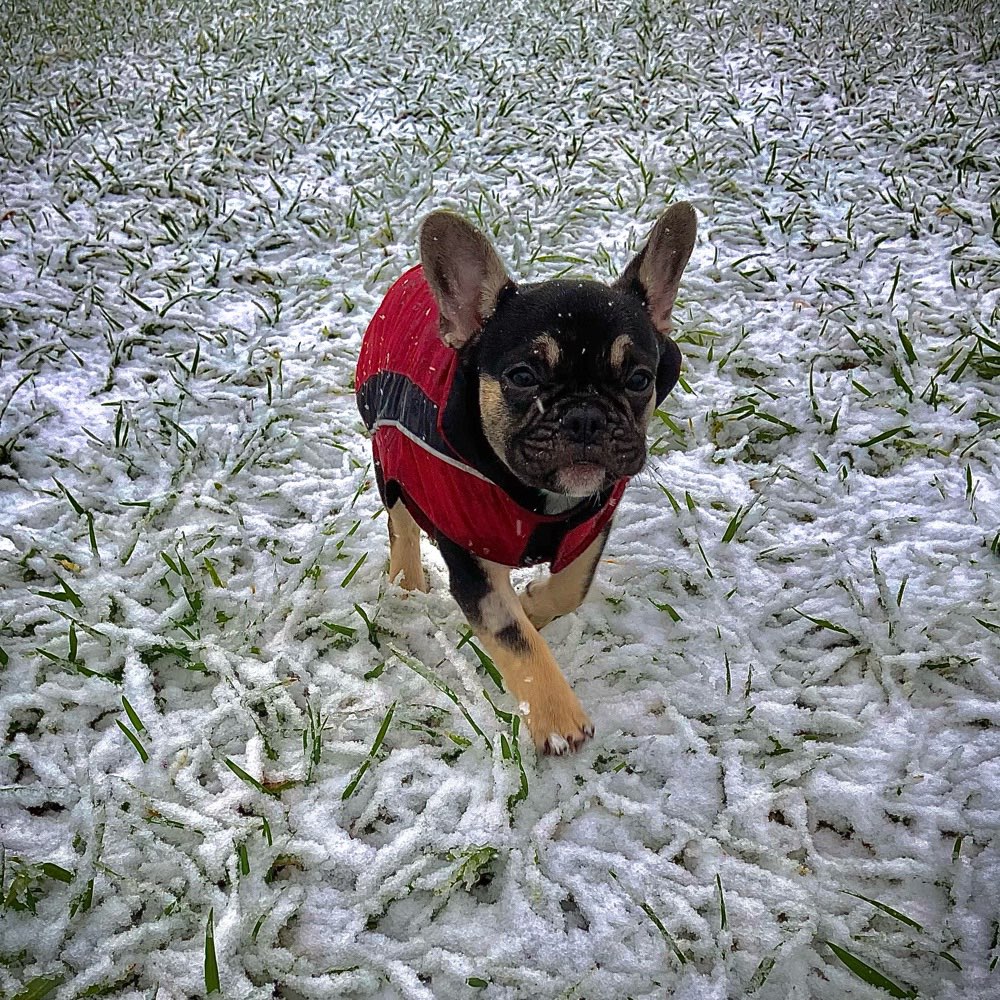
{"x":557,"y":721}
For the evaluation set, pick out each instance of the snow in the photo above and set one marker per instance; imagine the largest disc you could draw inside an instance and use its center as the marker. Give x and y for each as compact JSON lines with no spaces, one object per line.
{"x":791,"y":653}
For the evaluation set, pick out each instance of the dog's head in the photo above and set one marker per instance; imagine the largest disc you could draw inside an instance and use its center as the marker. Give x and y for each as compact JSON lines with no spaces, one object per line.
{"x":569,"y":371}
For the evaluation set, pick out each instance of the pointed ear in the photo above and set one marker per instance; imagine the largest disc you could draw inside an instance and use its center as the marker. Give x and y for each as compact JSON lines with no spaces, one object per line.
{"x":464,"y":273}
{"x":655,"y":271}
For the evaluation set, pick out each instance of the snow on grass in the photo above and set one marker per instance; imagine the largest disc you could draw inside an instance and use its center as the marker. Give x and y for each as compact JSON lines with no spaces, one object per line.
{"x":235,"y":758}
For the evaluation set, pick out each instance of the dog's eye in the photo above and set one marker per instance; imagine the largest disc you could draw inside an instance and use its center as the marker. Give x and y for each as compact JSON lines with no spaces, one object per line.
{"x":639,"y":381}
{"x":522,"y":377}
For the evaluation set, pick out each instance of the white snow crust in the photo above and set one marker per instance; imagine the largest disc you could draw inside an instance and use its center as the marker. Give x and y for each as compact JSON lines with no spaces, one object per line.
{"x":791,"y":652}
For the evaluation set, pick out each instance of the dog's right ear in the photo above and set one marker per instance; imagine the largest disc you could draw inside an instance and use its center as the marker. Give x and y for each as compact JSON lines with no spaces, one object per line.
{"x":464,"y":273}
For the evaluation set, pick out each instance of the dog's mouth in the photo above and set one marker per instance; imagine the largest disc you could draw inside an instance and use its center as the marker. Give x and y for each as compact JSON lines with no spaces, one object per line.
{"x":574,"y":471}
{"x":581,"y":479}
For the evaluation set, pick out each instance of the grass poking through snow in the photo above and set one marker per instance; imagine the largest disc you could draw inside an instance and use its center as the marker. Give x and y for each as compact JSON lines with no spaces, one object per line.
{"x":210,"y":701}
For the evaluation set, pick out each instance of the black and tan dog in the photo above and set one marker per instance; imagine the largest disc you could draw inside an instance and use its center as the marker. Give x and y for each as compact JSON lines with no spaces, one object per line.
{"x":506,"y":422}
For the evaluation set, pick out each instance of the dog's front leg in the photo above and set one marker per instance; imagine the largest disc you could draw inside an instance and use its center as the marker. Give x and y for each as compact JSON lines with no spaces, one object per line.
{"x":564,"y":591}
{"x":404,"y":549}
{"x":554,"y":716}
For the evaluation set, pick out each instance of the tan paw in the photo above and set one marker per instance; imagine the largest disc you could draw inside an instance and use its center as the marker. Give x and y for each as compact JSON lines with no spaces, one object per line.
{"x":536,"y":616}
{"x":540,"y":621}
{"x":409,"y":578}
{"x":557,"y":725}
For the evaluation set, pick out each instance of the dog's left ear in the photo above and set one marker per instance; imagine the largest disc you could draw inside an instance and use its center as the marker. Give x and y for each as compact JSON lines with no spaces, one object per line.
{"x":655,"y":272}
{"x":464,"y":273}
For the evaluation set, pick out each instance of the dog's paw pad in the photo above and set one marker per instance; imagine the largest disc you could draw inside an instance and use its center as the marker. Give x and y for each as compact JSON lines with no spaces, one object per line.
{"x":556,"y":745}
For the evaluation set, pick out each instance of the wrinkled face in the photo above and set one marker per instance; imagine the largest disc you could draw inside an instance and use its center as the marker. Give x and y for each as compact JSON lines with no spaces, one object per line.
{"x":567,"y":373}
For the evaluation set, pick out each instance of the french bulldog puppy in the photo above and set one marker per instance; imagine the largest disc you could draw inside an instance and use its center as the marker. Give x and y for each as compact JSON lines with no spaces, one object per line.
{"x":506,"y":421}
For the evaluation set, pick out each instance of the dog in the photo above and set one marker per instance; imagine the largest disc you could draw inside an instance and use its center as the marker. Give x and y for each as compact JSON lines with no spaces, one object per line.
{"x":506,"y":421}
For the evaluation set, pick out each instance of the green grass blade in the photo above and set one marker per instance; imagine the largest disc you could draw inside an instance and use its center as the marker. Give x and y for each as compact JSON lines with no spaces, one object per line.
{"x":759,"y":977}
{"x":210,"y":569}
{"x":350,"y":575}
{"x":667,"y":936}
{"x":137,"y":724}
{"x":428,"y":675}
{"x":522,"y":792}
{"x":901,"y":917}
{"x":359,"y":774}
{"x":487,"y":664}
{"x":884,"y":436}
{"x":134,"y":740}
{"x":673,"y":503}
{"x":248,"y":778}
{"x":348,"y":631}
{"x":170,"y":563}
{"x":39,"y":987}
{"x":370,"y":625}
{"x":663,"y":606}
{"x":869,"y":974}
{"x":212,"y":982}
{"x":822,"y":622}
{"x":57,"y":872}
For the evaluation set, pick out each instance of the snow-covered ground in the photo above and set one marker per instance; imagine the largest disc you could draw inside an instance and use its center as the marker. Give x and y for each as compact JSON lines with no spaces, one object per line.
{"x":792,"y":649}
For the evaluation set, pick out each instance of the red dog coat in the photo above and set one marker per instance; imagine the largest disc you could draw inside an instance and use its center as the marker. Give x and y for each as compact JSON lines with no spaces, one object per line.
{"x":418,"y":401}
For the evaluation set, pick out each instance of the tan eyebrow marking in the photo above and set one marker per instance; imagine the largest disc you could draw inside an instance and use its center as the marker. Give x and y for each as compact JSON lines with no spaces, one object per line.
{"x":548,"y":348}
{"x":619,"y":346}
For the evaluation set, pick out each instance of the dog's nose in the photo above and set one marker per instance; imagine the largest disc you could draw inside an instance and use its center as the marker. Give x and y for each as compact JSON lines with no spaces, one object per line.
{"x":584,"y":423}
